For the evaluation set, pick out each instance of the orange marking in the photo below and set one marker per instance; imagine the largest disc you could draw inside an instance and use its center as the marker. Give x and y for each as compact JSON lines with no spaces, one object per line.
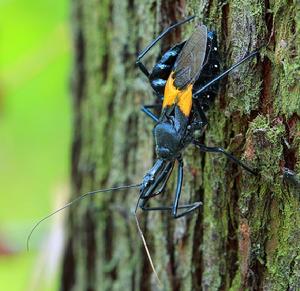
{"x":183,"y":98}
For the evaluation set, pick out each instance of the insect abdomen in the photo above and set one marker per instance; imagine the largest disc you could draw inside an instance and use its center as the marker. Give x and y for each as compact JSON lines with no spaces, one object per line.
{"x":162,"y":69}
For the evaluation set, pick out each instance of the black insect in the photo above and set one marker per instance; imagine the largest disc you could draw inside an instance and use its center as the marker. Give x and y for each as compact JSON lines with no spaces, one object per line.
{"x":185,"y":80}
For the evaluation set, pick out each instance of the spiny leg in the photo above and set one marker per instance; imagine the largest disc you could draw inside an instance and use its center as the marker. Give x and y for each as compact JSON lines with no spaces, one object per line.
{"x":177,"y":195}
{"x":164,"y":171}
{"x":161,"y":189}
{"x":161,"y":179}
{"x":205,"y":148}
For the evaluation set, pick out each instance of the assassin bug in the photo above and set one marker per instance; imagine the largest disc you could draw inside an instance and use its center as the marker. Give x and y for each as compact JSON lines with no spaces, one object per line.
{"x":185,"y":80}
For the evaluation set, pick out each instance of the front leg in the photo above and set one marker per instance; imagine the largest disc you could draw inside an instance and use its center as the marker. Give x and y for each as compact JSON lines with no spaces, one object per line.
{"x":155,"y":177}
{"x":145,"y":109}
{"x":187,"y":208}
{"x":153,"y":43}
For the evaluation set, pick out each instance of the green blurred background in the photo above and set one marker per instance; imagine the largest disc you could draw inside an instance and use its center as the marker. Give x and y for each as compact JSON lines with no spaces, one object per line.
{"x":35,"y":121}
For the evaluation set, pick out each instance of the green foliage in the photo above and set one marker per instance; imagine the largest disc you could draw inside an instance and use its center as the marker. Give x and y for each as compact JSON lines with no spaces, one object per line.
{"x":34,"y":124}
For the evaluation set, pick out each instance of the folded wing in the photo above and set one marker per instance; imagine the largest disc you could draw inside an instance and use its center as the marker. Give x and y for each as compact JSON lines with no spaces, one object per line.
{"x":190,"y":61}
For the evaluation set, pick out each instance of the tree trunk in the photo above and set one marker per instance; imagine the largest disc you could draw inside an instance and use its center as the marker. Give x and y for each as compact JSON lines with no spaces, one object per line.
{"x":246,"y":235}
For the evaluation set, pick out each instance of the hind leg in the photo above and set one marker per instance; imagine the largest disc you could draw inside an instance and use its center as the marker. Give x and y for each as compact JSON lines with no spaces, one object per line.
{"x":153,"y":43}
{"x":163,"y":67}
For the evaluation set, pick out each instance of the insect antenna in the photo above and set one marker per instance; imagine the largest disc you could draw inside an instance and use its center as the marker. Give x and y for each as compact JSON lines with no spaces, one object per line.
{"x":144,"y":242}
{"x":75,"y":201}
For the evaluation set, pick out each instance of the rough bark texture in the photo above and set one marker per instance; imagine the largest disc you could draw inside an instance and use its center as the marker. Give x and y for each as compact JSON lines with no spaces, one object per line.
{"x":246,"y":236}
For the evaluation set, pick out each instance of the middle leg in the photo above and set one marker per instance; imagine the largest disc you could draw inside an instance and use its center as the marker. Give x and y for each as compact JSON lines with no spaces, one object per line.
{"x":163,"y":67}
{"x":205,"y":148}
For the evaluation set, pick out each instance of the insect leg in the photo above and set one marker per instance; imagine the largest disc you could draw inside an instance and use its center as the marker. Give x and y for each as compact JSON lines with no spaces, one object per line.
{"x":164,"y":184}
{"x":222,"y":75}
{"x":148,"y":48}
{"x":156,"y":179}
{"x":205,"y":148}
{"x":178,"y":187}
{"x":145,"y":109}
{"x":169,"y":29}
{"x":158,"y":192}
{"x":163,"y":179}
{"x":189,"y":207}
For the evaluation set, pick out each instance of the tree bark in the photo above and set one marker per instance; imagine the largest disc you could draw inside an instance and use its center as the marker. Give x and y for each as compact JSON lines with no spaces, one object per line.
{"x":246,"y":235}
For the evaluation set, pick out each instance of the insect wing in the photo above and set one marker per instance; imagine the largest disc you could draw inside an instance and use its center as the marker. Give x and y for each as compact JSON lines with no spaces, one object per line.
{"x":190,"y":60}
